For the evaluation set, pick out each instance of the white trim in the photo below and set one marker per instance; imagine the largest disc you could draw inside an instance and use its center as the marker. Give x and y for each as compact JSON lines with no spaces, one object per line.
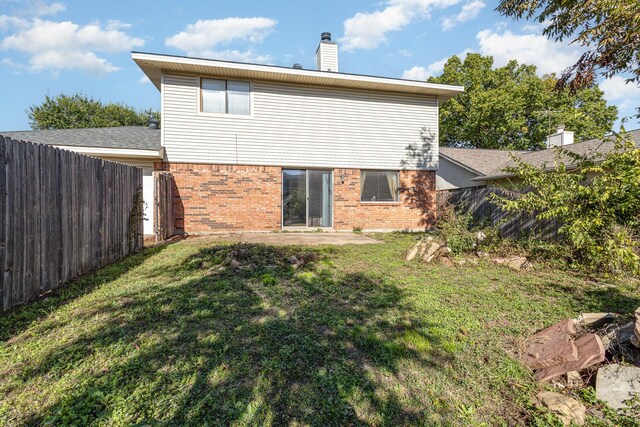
{"x":116,"y":152}
{"x":324,"y":78}
{"x":161,"y":109}
{"x":199,"y":111}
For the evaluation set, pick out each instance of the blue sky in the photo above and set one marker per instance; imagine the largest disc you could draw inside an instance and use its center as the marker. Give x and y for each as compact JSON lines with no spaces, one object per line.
{"x":52,"y":47}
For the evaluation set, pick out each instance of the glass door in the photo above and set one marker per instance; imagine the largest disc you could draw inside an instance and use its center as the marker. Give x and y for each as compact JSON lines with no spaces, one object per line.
{"x":307,"y":198}
{"x":320,"y":198}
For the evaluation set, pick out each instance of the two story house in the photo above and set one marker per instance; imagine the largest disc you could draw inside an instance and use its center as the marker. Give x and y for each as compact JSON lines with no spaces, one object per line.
{"x":262,"y":148}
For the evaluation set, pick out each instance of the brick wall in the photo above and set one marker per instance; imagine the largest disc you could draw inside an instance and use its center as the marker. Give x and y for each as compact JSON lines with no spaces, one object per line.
{"x":216,"y":198}
{"x":414,"y":210}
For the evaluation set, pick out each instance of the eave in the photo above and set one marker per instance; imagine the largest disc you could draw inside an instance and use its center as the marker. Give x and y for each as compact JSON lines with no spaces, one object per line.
{"x":154,"y":64}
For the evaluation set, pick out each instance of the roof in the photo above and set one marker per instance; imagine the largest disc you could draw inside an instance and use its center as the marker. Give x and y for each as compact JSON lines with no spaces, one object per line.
{"x":479,"y":161}
{"x":123,"y":137}
{"x":549,"y":156}
{"x":153,"y":64}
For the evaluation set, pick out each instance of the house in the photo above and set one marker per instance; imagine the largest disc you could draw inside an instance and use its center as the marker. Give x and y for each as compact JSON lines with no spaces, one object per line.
{"x":266,"y":148}
{"x":468,"y":167}
{"x":134,"y":145}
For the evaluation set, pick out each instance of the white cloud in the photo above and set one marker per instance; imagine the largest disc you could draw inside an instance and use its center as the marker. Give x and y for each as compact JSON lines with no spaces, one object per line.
{"x":368,"y":30}
{"x":433,"y":69}
{"x":534,"y":49}
{"x":469,"y":11}
{"x":41,"y":8}
{"x":205,"y":36}
{"x":625,"y":95}
{"x":66,"y":45}
{"x":405,"y":53}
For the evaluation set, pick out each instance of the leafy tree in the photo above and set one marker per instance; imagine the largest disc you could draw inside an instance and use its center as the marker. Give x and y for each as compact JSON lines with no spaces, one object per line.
{"x":597,"y":203}
{"x":512,"y":108}
{"x":79,"y":111}
{"x":610,"y":29}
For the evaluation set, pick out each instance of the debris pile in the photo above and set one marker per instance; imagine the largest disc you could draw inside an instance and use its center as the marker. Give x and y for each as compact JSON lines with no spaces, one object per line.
{"x":428,"y":249}
{"x":244,"y":257}
{"x":571,"y":351}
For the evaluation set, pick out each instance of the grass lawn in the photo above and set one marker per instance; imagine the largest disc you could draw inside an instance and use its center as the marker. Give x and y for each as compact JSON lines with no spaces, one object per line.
{"x":360,"y":337}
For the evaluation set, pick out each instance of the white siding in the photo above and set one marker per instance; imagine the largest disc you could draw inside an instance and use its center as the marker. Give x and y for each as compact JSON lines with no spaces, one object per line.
{"x":302,"y":126}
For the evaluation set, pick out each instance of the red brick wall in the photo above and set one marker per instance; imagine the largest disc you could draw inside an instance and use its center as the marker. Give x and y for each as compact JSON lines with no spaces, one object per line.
{"x":215,"y":198}
{"x":415,"y":209}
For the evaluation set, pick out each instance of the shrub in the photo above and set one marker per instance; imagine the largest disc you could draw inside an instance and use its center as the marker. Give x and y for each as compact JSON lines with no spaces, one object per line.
{"x":597,"y":201}
{"x":455,"y":228}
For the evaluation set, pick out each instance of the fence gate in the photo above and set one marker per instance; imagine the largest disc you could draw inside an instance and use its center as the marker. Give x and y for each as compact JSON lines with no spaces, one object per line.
{"x":163,"y":212}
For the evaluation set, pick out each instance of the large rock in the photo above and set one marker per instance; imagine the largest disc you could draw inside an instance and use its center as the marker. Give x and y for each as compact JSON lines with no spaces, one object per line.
{"x":413,"y":251}
{"x":567,"y":409}
{"x":595,"y":320}
{"x":617,"y":383}
{"x":431,"y":251}
{"x":551,"y":346}
{"x":590,"y":352}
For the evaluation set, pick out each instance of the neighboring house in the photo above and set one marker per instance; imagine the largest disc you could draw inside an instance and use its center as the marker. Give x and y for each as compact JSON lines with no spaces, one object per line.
{"x":258,"y":147}
{"x":137,"y":146}
{"x":459,"y":167}
{"x":468,"y":167}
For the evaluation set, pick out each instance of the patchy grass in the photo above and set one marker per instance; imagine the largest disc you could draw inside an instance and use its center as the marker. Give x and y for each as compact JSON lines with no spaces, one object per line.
{"x":360,"y":337}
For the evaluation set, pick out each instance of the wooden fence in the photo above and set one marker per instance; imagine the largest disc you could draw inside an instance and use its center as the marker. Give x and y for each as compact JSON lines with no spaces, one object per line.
{"x":62,"y":214}
{"x":163,"y":206}
{"x":475,"y":201}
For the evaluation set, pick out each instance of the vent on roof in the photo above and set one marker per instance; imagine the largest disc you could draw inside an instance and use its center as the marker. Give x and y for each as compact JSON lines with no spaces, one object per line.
{"x":153,"y":123}
{"x":297,"y":66}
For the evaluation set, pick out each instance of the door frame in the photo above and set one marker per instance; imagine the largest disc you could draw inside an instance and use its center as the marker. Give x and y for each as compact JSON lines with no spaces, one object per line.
{"x":306,"y":189}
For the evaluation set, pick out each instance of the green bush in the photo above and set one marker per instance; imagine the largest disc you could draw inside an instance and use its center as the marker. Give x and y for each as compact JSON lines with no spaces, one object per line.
{"x":455,"y":228}
{"x":597,"y":201}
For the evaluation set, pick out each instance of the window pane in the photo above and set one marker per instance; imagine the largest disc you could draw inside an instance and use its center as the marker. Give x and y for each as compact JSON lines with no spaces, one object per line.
{"x":238,"y":97}
{"x":213,"y":96}
{"x":379,"y":186}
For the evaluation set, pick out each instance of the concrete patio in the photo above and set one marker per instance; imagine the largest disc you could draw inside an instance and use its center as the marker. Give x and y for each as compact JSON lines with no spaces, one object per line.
{"x":293,"y":238}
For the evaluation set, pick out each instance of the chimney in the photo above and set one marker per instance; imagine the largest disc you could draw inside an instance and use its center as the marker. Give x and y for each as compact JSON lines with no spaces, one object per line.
{"x":560,"y":138}
{"x":327,"y":54}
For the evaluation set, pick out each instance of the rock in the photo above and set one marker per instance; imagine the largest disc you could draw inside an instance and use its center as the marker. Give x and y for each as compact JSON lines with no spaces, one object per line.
{"x":234,"y":265}
{"x":590,"y":352}
{"x":617,"y":383}
{"x":444,"y":251}
{"x":413,"y":251}
{"x":294,"y":260}
{"x":482,"y":254}
{"x":430,"y":252}
{"x":595,"y":320}
{"x":308,"y":257}
{"x":551,"y":346}
{"x":574,"y":380}
{"x":618,"y":336}
{"x":446,"y":262}
{"x":567,"y":409}
{"x":480,"y":237}
{"x":516,"y":263}
{"x":635,"y":341}
{"x":636,"y":329}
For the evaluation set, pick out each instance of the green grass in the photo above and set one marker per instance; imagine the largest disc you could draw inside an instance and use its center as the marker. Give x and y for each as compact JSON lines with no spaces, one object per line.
{"x":359,"y":337}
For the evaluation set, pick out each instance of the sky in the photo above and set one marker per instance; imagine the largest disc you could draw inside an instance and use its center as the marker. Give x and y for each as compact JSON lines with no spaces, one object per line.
{"x":65,"y":46}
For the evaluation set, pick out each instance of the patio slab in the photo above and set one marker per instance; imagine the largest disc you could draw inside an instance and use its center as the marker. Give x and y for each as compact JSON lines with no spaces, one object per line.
{"x":294,"y":238}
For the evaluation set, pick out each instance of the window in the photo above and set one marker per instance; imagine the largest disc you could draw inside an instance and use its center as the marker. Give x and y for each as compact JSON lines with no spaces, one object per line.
{"x":379,"y":186}
{"x":225,"y":96}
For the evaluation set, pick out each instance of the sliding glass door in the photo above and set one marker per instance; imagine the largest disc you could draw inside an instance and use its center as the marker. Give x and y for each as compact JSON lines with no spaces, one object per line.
{"x":307,"y":198}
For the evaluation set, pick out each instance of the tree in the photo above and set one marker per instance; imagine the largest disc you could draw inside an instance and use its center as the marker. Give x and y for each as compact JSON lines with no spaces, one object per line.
{"x":512,"y":108}
{"x":79,"y":111}
{"x":597,"y":203}
{"x":610,"y":29}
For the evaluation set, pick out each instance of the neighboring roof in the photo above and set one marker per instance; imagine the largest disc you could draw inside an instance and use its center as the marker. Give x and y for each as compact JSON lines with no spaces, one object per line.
{"x":549,"y":156}
{"x":479,"y":161}
{"x":123,"y":137}
{"x":152,"y":65}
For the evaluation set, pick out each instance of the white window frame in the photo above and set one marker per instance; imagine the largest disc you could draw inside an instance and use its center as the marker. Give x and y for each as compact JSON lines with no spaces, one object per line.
{"x":240,"y":116}
{"x":397,"y":201}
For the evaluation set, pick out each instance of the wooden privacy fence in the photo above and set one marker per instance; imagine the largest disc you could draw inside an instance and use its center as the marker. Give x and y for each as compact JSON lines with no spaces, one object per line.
{"x":62,"y":214}
{"x":163,"y":206}
{"x":475,"y":201}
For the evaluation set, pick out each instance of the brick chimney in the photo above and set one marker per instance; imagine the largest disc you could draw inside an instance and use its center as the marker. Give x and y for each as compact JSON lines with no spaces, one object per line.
{"x":327,"y":54}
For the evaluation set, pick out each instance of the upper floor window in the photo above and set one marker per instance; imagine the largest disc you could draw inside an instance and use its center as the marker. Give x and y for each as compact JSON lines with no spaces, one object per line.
{"x":225,"y":96}
{"x":379,"y":186}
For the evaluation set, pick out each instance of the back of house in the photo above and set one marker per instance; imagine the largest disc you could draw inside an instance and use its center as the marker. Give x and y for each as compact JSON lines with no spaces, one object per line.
{"x":263,"y":148}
